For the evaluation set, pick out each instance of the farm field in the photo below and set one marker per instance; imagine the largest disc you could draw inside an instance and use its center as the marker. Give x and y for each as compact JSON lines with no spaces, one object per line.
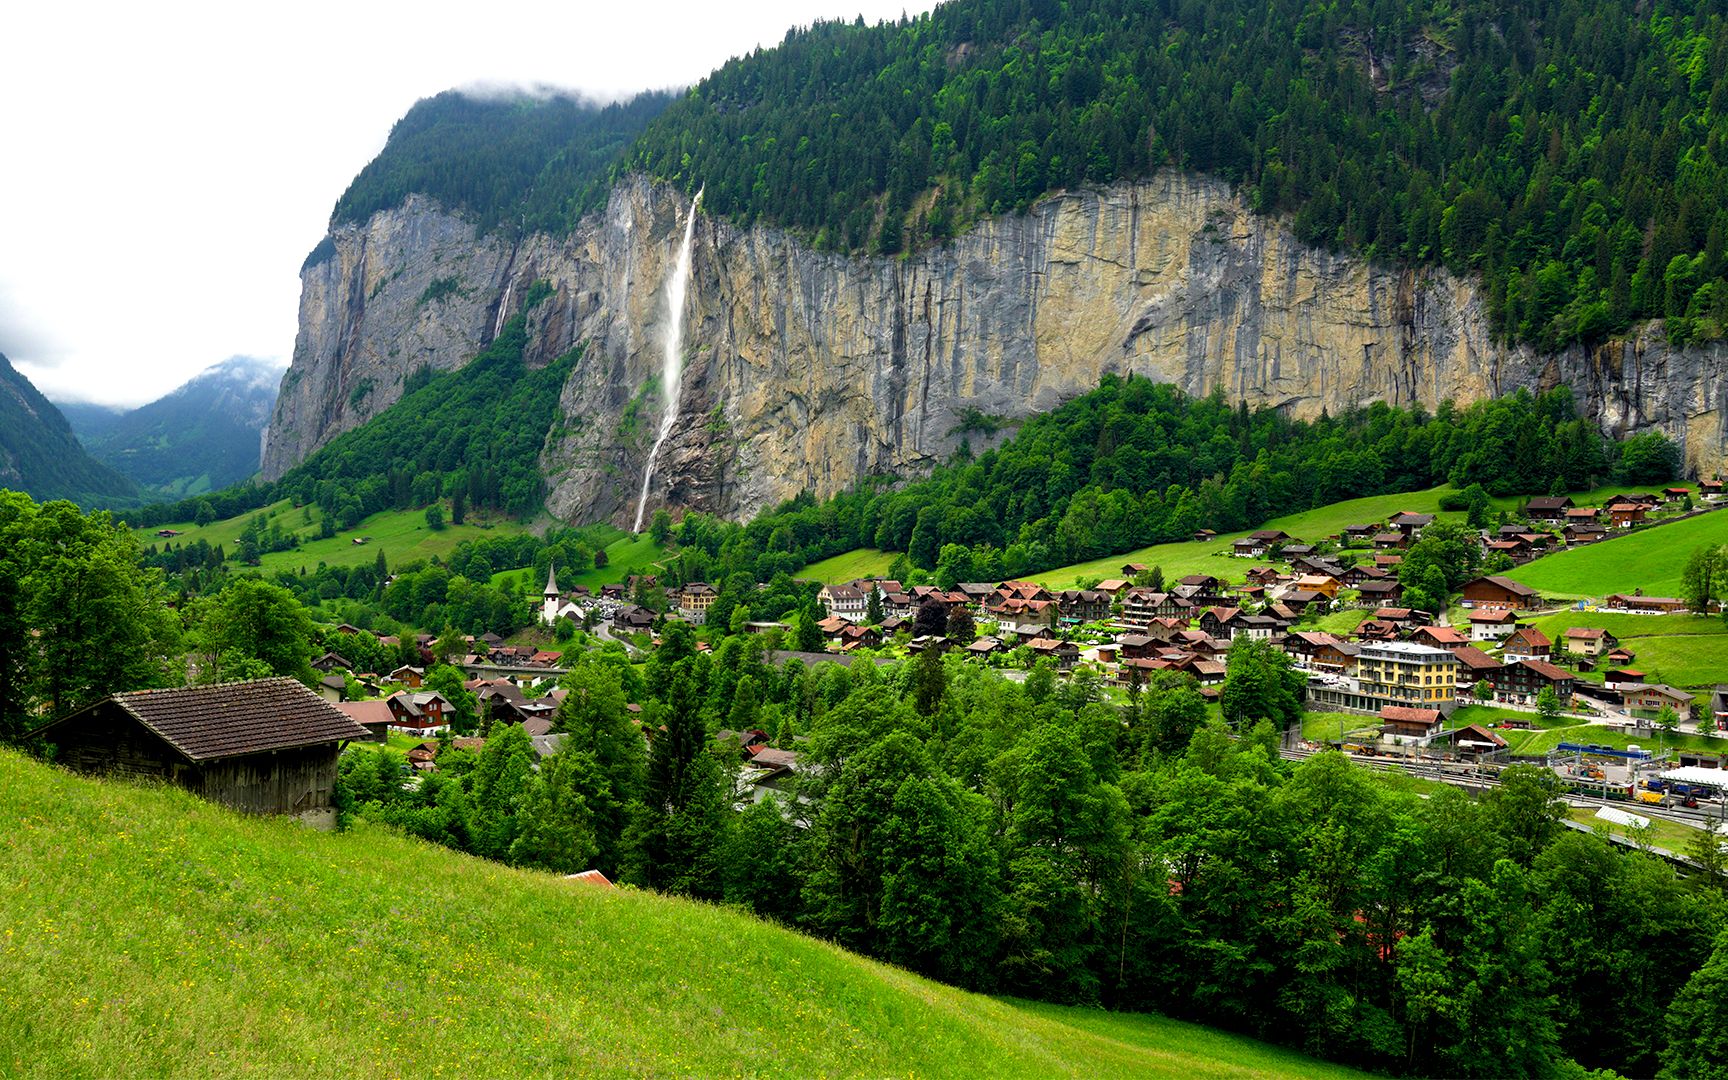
{"x":146,"y":932}
{"x":1650,"y":559}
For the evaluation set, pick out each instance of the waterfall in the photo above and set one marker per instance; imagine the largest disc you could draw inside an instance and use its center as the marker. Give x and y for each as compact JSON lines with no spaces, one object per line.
{"x":503,"y":309}
{"x":672,"y":362}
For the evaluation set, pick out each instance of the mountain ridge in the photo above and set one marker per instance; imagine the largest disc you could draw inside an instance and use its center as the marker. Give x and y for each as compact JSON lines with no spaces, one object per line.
{"x":203,"y":435}
{"x":39,"y":453}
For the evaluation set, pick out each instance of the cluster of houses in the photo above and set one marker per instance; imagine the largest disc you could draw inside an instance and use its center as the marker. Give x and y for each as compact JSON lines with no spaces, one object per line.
{"x":1397,"y":659}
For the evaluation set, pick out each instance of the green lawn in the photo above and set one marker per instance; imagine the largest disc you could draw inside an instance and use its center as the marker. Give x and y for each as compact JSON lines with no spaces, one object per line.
{"x":1682,"y":650}
{"x":402,"y":535}
{"x":1342,"y":623}
{"x":1329,"y":726}
{"x":862,"y":563}
{"x":1213,"y":556}
{"x":625,"y":555}
{"x":1650,"y":559}
{"x":144,"y":932}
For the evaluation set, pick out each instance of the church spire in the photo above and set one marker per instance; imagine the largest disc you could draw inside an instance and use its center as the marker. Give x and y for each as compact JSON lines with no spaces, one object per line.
{"x":551,"y":580}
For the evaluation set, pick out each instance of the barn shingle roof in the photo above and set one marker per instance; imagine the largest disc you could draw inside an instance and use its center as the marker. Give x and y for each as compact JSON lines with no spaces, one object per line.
{"x":208,"y":723}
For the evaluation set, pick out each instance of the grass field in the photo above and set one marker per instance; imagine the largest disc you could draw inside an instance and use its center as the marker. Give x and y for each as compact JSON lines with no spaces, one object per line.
{"x":1331,"y":726}
{"x":402,"y":535}
{"x":1213,"y":556}
{"x":1650,"y":559}
{"x":1682,"y":650}
{"x":144,"y":932}
{"x":625,"y":555}
{"x":862,"y":563}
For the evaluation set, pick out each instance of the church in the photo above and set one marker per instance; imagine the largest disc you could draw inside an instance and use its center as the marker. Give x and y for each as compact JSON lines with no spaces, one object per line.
{"x":553,"y":606}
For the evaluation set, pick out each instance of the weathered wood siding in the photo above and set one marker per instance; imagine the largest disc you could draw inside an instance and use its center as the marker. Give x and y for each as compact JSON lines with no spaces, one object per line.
{"x":113,"y":743}
{"x":281,"y":782}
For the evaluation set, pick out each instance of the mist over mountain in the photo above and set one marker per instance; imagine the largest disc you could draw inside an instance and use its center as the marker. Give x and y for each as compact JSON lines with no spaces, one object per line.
{"x":39,"y":453}
{"x":201,"y":436}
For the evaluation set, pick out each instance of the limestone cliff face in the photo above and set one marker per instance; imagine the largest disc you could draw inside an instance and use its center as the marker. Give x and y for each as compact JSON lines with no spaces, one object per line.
{"x":810,"y":370}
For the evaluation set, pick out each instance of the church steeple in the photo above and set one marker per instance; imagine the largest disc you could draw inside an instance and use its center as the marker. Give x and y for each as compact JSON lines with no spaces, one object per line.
{"x":551,"y":581}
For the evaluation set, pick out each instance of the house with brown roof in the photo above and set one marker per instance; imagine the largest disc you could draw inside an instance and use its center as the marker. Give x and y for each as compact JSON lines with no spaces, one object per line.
{"x":1474,"y":666}
{"x":1520,"y":682}
{"x":1474,"y":742}
{"x":1410,"y":723}
{"x":1588,"y":640}
{"x":1065,"y":653}
{"x":1379,"y":593}
{"x":1492,"y":624}
{"x":1659,"y":605}
{"x":268,"y":746}
{"x":1441,"y":637}
{"x":374,"y":716}
{"x":1496,"y":591}
{"x":1547,"y":507}
{"x":1624,"y":515}
{"x":1646,"y":700}
{"x":1527,"y":643}
{"x":844,"y":601}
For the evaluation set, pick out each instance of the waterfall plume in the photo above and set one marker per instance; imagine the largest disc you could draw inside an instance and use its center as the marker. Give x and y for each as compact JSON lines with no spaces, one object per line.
{"x":672,"y":362}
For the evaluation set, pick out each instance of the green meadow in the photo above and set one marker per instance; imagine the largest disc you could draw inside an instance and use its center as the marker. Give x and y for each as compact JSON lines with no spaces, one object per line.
{"x":1650,"y":559}
{"x":144,"y":932}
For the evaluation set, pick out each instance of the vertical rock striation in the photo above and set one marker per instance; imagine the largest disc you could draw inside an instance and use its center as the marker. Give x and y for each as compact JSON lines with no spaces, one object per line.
{"x":808,"y":370}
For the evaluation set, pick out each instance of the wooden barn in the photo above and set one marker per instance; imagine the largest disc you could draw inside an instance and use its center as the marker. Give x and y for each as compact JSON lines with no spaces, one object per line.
{"x":266,"y":747}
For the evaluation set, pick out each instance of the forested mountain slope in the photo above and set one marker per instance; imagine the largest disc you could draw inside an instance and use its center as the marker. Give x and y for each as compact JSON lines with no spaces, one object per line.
{"x":1568,"y":150}
{"x":40,"y":455}
{"x":201,"y":436}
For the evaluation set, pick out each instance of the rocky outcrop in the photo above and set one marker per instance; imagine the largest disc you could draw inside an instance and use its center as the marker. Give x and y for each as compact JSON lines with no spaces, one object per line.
{"x":808,"y":370}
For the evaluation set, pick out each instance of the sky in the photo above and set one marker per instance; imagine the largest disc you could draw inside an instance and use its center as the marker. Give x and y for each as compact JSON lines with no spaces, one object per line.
{"x":167,"y":166}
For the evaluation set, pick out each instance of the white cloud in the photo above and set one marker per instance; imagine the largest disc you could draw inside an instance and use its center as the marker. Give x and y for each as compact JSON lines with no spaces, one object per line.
{"x":168,"y":166}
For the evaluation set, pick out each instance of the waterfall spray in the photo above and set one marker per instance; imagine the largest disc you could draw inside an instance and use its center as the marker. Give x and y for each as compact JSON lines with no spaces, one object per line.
{"x":672,"y":363}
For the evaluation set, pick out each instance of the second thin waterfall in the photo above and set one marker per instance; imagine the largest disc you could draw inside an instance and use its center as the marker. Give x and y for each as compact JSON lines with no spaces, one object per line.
{"x":672,"y":363}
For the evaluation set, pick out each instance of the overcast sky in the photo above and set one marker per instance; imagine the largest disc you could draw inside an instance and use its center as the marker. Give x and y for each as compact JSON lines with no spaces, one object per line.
{"x":169,"y":165}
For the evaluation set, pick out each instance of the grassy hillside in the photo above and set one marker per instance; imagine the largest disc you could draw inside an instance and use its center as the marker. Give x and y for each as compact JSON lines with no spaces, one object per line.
{"x":1650,"y":559}
{"x":1213,"y":556}
{"x":862,"y":563}
{"x":626,"y":554}
{"x":144,"y":932}
{"x":1685,"y":650}
{"x":402,"y":535}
